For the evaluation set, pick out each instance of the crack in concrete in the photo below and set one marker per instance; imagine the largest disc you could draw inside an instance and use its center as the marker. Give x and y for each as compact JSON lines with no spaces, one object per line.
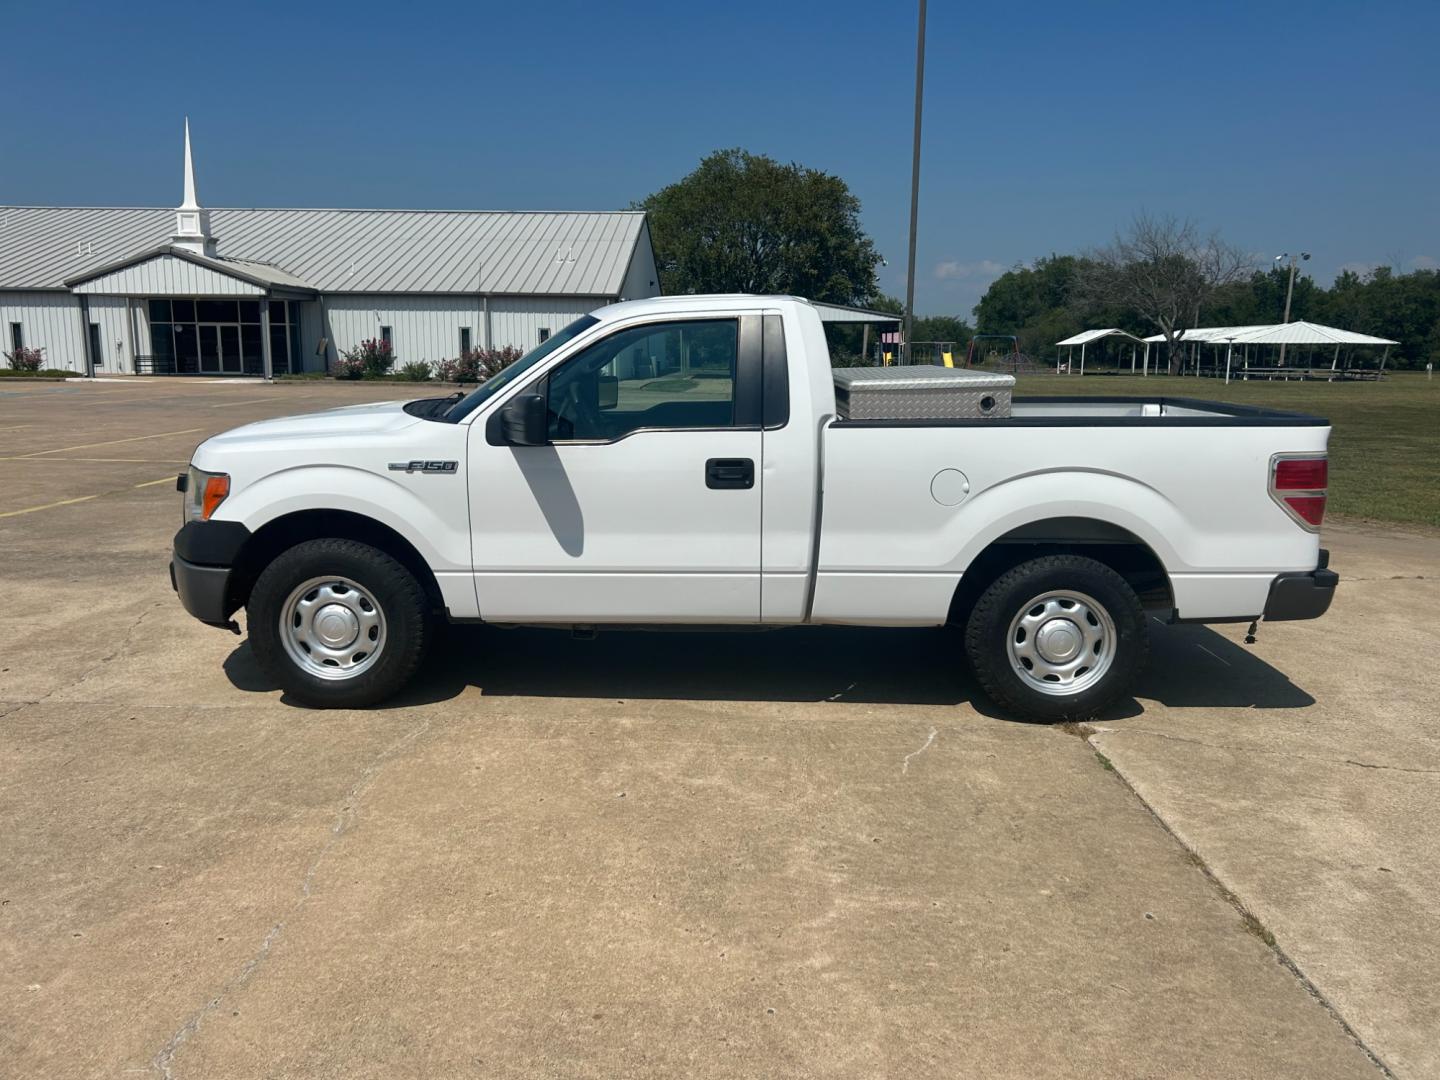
{"x":1263,"y":750}
{"x":119,"y":648}
{"x":164,"y":1059}
{"x":905,"y":765}
{"x":1233,"y":898}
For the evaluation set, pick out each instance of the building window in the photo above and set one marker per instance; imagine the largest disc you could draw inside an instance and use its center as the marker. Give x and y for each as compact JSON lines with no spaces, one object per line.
{"x":386,"y":335}
{"x":17,"y":337}
{"x":464,"y":339}
{"x":97,"y":348}
{"x":544,"y":334}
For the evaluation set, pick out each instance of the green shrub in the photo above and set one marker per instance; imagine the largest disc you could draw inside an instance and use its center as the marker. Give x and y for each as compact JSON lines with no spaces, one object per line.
{"x":40,"y":373}
{"x":414,"y":371}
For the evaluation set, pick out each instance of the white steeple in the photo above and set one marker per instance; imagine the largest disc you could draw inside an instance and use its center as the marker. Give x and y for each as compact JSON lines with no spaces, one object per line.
{"x":192,"y":221}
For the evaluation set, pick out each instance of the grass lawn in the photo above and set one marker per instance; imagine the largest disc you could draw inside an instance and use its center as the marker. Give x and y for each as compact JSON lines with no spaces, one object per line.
{"x":1384,"y":450}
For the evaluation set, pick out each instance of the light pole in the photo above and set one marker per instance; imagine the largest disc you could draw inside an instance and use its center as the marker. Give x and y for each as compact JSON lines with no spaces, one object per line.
{"x":1289,"y":289}
{"x":914,"y":183}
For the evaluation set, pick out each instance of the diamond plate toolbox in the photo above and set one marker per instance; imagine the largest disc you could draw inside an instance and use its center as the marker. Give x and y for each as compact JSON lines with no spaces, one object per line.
{"x":921,"y":393}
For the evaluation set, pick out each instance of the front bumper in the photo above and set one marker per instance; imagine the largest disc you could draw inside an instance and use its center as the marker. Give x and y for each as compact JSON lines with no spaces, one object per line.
{"x":203,"y":591}
{"x":1305,"y":594}
{"x":202,"y":566}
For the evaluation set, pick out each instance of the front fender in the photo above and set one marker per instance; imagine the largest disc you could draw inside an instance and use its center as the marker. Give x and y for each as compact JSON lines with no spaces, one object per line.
{"x":428,"y":510}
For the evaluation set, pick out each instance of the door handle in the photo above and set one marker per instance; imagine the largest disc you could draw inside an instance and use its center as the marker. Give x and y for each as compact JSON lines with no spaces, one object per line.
{"x":729,"y":472}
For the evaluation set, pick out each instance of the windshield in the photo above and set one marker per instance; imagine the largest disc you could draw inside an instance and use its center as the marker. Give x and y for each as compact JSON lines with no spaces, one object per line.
{"x":493,"y":385}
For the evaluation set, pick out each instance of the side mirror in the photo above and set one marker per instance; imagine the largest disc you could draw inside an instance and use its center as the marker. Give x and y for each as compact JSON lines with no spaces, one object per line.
{"x":523,"y":421}
{"x":608,"y":391}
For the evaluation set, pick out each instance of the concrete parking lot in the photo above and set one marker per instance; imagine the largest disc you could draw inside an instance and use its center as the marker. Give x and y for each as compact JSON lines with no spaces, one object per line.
{"x":810,"y":853}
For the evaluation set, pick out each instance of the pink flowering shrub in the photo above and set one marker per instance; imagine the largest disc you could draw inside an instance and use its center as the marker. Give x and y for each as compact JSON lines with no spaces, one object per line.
{"x":371,"y":359}
{"x":476,"y":365}
{"x":23,"y":359}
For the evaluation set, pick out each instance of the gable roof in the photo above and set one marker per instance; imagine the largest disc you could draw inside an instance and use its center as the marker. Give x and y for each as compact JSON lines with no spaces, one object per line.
{"x":337,"y":251}
{"x":172,"y":269}
{"x":1086,"y":336}
{"x":1295,"y":333}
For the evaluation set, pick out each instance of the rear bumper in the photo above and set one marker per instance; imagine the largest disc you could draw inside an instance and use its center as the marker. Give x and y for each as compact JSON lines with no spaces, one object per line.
{"x":200,"y":570}
{"x":1302,"y":595}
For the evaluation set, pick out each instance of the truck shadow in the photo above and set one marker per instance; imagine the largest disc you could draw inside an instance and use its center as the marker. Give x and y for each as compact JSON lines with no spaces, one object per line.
{"x":1191,"y":667}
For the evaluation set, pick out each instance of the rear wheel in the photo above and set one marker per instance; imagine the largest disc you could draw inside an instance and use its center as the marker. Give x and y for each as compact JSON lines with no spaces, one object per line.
{"x":1060,"y":637}
{"x":337,"y":623}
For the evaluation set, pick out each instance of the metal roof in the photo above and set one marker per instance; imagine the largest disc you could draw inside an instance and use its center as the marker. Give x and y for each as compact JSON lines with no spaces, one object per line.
{"x":256,"y":273}
{"x":1091,"y":335}
{"x":1306,"y":333}
{"x":1296,"y":333}
{"x":1203,"y":334}
{"x":370,"y":251}
{"x":844,"y":313}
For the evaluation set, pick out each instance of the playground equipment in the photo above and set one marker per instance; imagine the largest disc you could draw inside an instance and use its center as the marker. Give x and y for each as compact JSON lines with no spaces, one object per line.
{"x":1014,"y":351}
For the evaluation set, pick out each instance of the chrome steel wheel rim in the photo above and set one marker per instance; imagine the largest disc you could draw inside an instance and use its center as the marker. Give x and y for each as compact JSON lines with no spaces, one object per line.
{"x":1061,"y":642}
{"x":332,"y":628}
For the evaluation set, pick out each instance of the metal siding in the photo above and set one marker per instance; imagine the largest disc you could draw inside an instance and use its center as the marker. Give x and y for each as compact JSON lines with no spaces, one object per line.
{"x":516,"y":320}
{"x":423,"y":327}
{"x":371,"y":251}
{"x":642,"y":279}
{"x":311,"y":331}
{"x":166,"y":275}
{"x":428,"y":327}
{"x":49,"y":320}
{"x":109,"y":312}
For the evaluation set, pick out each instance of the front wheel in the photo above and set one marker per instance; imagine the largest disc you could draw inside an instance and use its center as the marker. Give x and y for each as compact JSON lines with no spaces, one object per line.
{"x":337,"y":623}
{"x":1060,"y":637}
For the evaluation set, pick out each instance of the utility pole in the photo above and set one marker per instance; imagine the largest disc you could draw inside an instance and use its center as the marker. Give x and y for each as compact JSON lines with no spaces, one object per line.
{"x":914,"y":184}
{"x":1289,"y":291}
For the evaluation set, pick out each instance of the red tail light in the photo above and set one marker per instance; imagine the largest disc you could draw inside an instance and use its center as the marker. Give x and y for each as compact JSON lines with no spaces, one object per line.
{"x":1298,"y":482}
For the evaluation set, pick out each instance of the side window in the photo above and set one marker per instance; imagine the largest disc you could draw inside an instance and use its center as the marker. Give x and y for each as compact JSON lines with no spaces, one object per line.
{"x":662,"y":375}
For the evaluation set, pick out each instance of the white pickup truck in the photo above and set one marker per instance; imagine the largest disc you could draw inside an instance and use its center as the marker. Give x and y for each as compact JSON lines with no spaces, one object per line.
{"x":679,"y":461}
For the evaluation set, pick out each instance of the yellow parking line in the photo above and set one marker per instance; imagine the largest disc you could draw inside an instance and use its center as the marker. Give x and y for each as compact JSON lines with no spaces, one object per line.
{"x":51,"y":506}
{"x":83,"y":498}
{"x":112,"y":442}
{"x":247,"y":401}
{"x":102,"y":460}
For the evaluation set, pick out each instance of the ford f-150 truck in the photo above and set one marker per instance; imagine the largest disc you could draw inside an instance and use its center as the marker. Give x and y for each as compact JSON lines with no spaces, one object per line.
{"x":679,"y":461}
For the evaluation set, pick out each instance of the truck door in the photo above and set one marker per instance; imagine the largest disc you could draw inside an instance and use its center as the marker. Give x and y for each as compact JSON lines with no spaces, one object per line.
{"x":645,"y":505}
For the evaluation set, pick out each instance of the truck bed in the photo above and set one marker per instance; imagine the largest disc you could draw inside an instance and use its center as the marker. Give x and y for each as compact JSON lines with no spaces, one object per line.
{"x":1155,"y":468}
{"x":1117,"y":411}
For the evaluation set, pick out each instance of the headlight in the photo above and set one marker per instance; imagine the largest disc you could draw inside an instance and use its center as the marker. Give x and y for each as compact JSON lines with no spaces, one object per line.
{"x":204,"y":492}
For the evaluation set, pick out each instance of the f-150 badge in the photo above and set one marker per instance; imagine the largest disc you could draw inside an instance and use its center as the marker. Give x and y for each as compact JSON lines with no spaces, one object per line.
{"x":425,"y":466}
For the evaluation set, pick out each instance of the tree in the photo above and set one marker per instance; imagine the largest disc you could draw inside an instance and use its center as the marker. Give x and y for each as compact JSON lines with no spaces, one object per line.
{"x":1164,"y":270}
{"x":744,"y":222}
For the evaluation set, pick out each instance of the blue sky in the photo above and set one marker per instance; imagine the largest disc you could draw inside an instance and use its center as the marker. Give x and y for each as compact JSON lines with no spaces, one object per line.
{"x":1047,"y":124}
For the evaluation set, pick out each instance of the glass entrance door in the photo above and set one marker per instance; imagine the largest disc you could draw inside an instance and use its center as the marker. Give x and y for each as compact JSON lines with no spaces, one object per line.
{"x":220,"y":349}
{"x":210,"y":348}
{"x":230,"y":350}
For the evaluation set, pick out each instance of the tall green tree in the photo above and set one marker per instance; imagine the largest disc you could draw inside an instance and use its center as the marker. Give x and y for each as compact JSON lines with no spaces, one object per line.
{"x":744,"y":222}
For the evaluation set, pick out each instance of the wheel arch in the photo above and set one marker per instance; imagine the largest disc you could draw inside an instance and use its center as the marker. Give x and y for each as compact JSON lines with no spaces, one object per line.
{"x":284,"y":532}
{"x":1112,"y":545}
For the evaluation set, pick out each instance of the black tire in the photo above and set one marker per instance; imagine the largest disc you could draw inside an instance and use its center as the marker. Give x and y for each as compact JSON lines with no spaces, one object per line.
{"x":988,"y":630}
{"x":399,"y":596}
